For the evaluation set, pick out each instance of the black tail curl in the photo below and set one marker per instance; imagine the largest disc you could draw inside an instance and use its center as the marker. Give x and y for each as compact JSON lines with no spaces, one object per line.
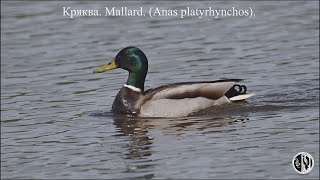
{"x":236,"y":90}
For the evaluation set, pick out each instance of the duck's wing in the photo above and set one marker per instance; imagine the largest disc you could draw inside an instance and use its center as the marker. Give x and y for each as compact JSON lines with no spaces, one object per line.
{"x":208,"y":89}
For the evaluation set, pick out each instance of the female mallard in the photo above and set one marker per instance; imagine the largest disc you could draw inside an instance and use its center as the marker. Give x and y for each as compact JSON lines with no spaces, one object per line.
{"x":179,"y":99}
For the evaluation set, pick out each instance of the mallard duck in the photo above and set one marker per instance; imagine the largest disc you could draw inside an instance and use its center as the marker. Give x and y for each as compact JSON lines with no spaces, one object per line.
{"x":178,"y":99}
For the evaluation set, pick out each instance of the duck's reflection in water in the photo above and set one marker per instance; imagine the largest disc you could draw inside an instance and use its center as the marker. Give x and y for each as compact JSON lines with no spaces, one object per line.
{"x":145,"y":134}
{"x":139,"y":141}
{"x":143,"y":131}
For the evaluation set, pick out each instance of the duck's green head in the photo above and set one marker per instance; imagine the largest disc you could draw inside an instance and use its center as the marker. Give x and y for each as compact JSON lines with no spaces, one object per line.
{"x":133,"y":60}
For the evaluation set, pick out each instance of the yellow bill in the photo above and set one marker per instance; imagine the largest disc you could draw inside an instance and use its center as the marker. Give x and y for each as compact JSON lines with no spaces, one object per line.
{"x":106,"y":67}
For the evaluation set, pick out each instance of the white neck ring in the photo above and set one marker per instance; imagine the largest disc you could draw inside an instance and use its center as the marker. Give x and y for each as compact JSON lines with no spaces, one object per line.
{"x":132,"y":88}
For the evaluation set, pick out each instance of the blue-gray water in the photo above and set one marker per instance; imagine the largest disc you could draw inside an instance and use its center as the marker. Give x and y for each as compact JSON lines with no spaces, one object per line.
{"x":53,"y":120}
